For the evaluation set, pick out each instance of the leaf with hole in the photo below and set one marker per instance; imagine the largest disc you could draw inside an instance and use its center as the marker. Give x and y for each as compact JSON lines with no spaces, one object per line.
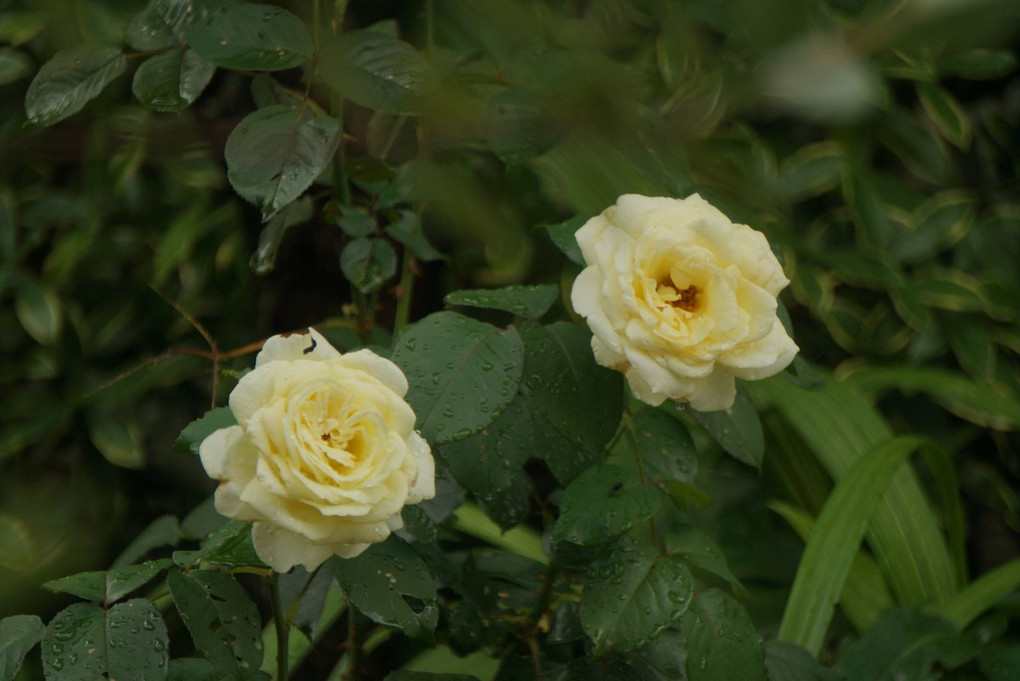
{"x":602,"y":503}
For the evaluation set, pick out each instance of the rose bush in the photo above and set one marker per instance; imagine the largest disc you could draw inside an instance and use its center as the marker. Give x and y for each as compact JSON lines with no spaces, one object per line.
{"x":324,"y":456}
{"x":680,"y":299}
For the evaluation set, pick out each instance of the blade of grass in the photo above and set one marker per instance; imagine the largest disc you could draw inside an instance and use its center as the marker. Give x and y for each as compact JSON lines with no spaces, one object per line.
{"x":982,"y":593}
{"x":904,"y":534}
{"x":865,"y":596}
{"x":835,"y":540}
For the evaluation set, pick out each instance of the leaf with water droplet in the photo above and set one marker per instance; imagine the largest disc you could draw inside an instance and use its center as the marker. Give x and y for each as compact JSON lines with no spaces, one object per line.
{"x":223,"y":621}
{"x":665,"y":447}
{"x":737,"y":429}
{"x":84,"y":642}
{"x":69,"y":80}
{"x":576,"y":404}
{"x":274,"y":154}
{"x":722,"y":642}
{"x":699,"y":549}
{"x":391,"y":585}
{"x":111,"y":585}
{"x":18,"y":635}
{"x":530,"y":302}
{"x":162,"y":24}
{"x":454,"y":348}
{"x":602,"y":503}
{"x":252,"y":37}
{"x":642,"y":593}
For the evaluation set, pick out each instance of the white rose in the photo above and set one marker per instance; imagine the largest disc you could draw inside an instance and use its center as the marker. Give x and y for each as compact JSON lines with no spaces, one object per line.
{"x":324,"y":456}
{"x":681,"y":300}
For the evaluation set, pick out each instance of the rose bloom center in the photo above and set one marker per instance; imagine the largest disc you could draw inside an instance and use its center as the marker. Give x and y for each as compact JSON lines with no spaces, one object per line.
{"x":335,"y":434}
{"x":684,"y":299}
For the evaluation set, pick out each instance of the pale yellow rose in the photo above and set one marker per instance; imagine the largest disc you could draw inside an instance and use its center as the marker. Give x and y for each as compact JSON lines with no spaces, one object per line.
{"x":681,"y":300}
{"x":324,"y":456}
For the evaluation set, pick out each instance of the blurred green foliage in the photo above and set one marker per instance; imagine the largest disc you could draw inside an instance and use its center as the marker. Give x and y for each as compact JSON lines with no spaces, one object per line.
{"x":876,"y":143}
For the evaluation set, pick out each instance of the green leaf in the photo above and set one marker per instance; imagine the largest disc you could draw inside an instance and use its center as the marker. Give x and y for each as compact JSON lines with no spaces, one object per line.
{"x":377,"y":71}
{"x":488,"y":462}
{"x":787,"y":662}
{"x":382,"y":579}
{"x":171,"y":81}
{"x":401,"y":675}
{"x":407,"y":231}
{"x":699,"y":549}
{"x":18,"y":635}
{"x":978,"y":63}
{"x":250,"y":37}
{"x":665,"y":447}
{"x":275,"y":154}
{"x":84,"y":642}
{"x":69,"y":81}
{"x":958,"y":394}
{"x":562,"y":234}
{"x":109,"y":586}
{"x":835,"y":540}
{"x":631,"y":595}
{"x":14,"y":65}
{"x":603,"y":503}
{"x":576,"y":404}
{"x":119,"y":442}
{"x":722,"y":642}
{"x":905,"y":644}
{"x":162,"y":24}
{"x":811,"y":170}
{"x":462,"y":373}
{"x":192,"y":669}
{"x":231,"y":545}
{"x":222,"y":620}
{"x":191,"y":437}
{"x":1000,"y":663}
{"x":840,"y":426}
{"x":947,"y":113}
{"x":530,"y":302}
{"x":368,"y":263}
{"x":39,"y":311}
{"x":737,"y":429}
{"x":356,"y":222}
{"x":982,"y":594}
{"x":163,"y":531}
{"x":939,"y":222}
{"x":263,"y":260}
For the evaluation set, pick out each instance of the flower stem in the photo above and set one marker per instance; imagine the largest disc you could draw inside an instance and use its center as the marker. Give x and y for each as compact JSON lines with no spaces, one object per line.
{"x":282,"y":626}
{"x":406,"y":292}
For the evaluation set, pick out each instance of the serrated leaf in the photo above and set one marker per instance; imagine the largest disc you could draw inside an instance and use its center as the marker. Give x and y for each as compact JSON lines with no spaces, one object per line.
{"x":111,"y":585}
{"x":462,"y":373}
{"x":85,"y":642}
{"x":576,"y":404}
{"x":69,"y":81}
{"x":162,"y":24}
{"x":377,"y":71}
{"x":407,"y":231}
{"x":665,"y":447}
{"x":222,"y":620}
{"x":18,"y":635}
{"x":488,"y":462}
{"x":722,"y":642}
{"x":191,"y":437}
{"x":530,"y":302}
{"x":737,"y":429}
{"x":947,"y":113}
{"x":275,"y":154}
{"x":171,"y":81}
{"x":382,"y":579}
{"x":602,"y":503}
{"x":251,"y":37}
{"x":368,"y":263}
{"x":631,"y":595}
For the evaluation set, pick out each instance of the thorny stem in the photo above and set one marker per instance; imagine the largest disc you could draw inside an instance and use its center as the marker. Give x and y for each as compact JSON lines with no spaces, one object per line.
{"x":282,"y":625}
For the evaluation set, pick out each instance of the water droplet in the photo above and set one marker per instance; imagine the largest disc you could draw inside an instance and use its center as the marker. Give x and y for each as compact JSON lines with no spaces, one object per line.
{"x":148,"y":625}
{"x":461,"y":434}
{"x":57,"y":664}
{"x":58,"y":649}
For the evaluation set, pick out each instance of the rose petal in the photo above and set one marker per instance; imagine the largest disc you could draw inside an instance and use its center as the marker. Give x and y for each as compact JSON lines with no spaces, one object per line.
{"x":312,"y":345}
{"x":281,"y":549}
